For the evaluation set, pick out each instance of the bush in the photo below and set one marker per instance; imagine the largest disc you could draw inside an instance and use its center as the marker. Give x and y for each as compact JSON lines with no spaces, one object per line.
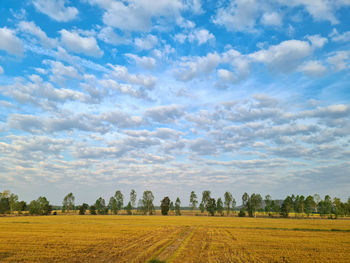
{"x":54,"y":213}
{"x":241,"y":213}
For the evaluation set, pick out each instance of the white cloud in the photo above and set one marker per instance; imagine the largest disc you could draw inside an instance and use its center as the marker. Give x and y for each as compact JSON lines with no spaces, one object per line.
{"x":32,"y":29}
{"x":145,"y":62}
{"x":122,"y":73}
{"x":202,"y":36}
{"x":284,"y":57}
{"x":9,"y":42}
{"x":78,"y":44}
{"x":108,"y":35}
{"x":137,"y":15}
{"x":239,"y":15}
{"x":271,"y":19}
{"x":1,"y":70}
{"x":317,"y":41}
{"x":146,"y":43}
{"x":339,"y":60}
{"x":56,"y":9}
{"x":313,"y":68}
{"x":165,"y":114}
{"x":193,"y":67}
{"x":61,"y":72}
{"x":336,"y":37}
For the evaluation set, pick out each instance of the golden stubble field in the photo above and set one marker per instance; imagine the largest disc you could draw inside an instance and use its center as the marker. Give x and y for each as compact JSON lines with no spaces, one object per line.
{"x":74,"y":238}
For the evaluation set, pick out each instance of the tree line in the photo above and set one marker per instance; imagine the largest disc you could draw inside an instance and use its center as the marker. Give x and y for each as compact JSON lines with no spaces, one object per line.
{"x":251,"y":204}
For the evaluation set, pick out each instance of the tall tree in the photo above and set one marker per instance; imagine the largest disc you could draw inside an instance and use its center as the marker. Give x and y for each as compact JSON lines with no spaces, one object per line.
{"x":193,"y":200}
{"x":13,"y":198}
{"x":165,"y":205}
{"x":178,"y":207}
{"x":309,"y":205}
{"x":172,"y":207}
{"x":205,"y":199}
{"x":83,"y":208}
{"x":68,"y":202}
{"x":147,"y":202}
{"x":41,"y":206}
{"x":133,"y":197}
{"x":21,"y":206}
{"x":228,"y":201}
{"x":100,"y":205}
{"x":219,"y":206}
{"x":128,"y":208}
{"x":287,"y":206}
{"x":112,"y":204}
{"x":211,"y":206}
{"x":268,"y":202}
{"x":119,"y":198}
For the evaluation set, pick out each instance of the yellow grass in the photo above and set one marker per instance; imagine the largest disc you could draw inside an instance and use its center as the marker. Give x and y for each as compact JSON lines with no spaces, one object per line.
{"x":73,"y":238}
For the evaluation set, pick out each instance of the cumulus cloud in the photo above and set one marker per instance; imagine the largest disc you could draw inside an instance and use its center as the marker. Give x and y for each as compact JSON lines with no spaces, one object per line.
{"x":339,"y":60}
{"x":1,"y":70}
{"x":284,"y":57}
{"x":122,"y":73}
{"x":192,"y":67}
{"x":9,"y":42}
{"x":146,"y":43}
{"x":145,"y":62}
{"x":165,"y":114}
{"x":201,"y":36}
{"x":137,"y":15}
{"x":32,"y":29}
{"x":56,"y":9}
{"x":271,"y":19}
{"x":108,"y":35}
{"x":313,"y":68}
{"x":78,"y":44}
{"x":337,"y":37}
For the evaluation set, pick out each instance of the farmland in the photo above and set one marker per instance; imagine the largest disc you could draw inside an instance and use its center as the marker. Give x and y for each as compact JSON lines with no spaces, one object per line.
{"x":73,"y":238}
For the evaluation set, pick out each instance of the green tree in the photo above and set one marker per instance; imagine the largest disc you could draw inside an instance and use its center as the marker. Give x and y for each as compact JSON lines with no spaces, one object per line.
{"x":147,"y":202}
{"x":128,"y":208}
{"x":83,"y":208}
{"x":211,"y":206}
{"x":178,"y":207}
{"x":133,"y":197}
{"x":13,"y":198}
{"x":205,"y":199}
{"x":92,"y":210}
{"x":41,"y":206}
{"x":268,"y":202}
{"x":165,"y":205}
{"x":100,"y":205}
{"x":251,"y":203}
{"x":309,"y":205}
{"x":287,"y":206}
{"x":201,"y":207}
{"x":172,"y":207}
{"x":193,"y":200}
{"x":112,"y":204}
{"x":68,"y":202}
{"x":119,"y":198}
{"x":325,"y":206}
{"x":220,"y":207}
{"x":4,"y":202}
{"x":228,"y":202}
{"x":21,"y":206}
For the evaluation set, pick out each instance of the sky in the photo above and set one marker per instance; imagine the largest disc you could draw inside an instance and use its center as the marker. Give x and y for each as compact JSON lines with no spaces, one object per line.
{"x":173,"y":96}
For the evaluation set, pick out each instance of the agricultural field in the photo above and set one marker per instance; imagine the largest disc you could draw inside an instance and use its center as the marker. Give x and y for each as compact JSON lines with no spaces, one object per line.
{"x":108,"y":238}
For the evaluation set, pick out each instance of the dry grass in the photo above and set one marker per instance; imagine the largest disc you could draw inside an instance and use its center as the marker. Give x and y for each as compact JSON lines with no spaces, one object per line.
{"x":109,"y":238}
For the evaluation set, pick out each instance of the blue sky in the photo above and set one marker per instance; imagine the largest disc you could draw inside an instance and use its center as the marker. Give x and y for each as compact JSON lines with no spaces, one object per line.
{"x":174,"y":96}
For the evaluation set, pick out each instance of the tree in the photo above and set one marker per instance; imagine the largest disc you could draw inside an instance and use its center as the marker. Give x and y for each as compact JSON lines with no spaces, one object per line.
{"x":287,"y":206}
{"x":119,"y":198}
{"x":254,"y":204}
{"x":325,"y":206}
{"x":133,"y":197}
{"x":147,"y":202}
{"x":211,"y":206}
{"x":201,"y":207}
{"x":205,"y":199}
{"x":177,"y":207}
{"x":128,"y":208}
{"x":83,"y":208}
{"x":219,"y":207}
{"x":309,"y":205}
{"x":172,"y":207}
{"x":92,"y":210}
{"x":13,"y":198}
{"x":268,"y":202}
{"x":165,"y":205}
{"x":193,"y":200}
{"x":41,"y":206}
{"x":112,"y":204}
{"x":21,"y":206}
{"x":245,"y":198}
{"x":100,"y":205}
{"x":228,"y":201}
{"x":68,"y":202}
{"x":4,"y":202}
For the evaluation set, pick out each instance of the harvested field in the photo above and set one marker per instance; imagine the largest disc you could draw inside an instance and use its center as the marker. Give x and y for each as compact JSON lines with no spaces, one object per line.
{"x":74,"y":238}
